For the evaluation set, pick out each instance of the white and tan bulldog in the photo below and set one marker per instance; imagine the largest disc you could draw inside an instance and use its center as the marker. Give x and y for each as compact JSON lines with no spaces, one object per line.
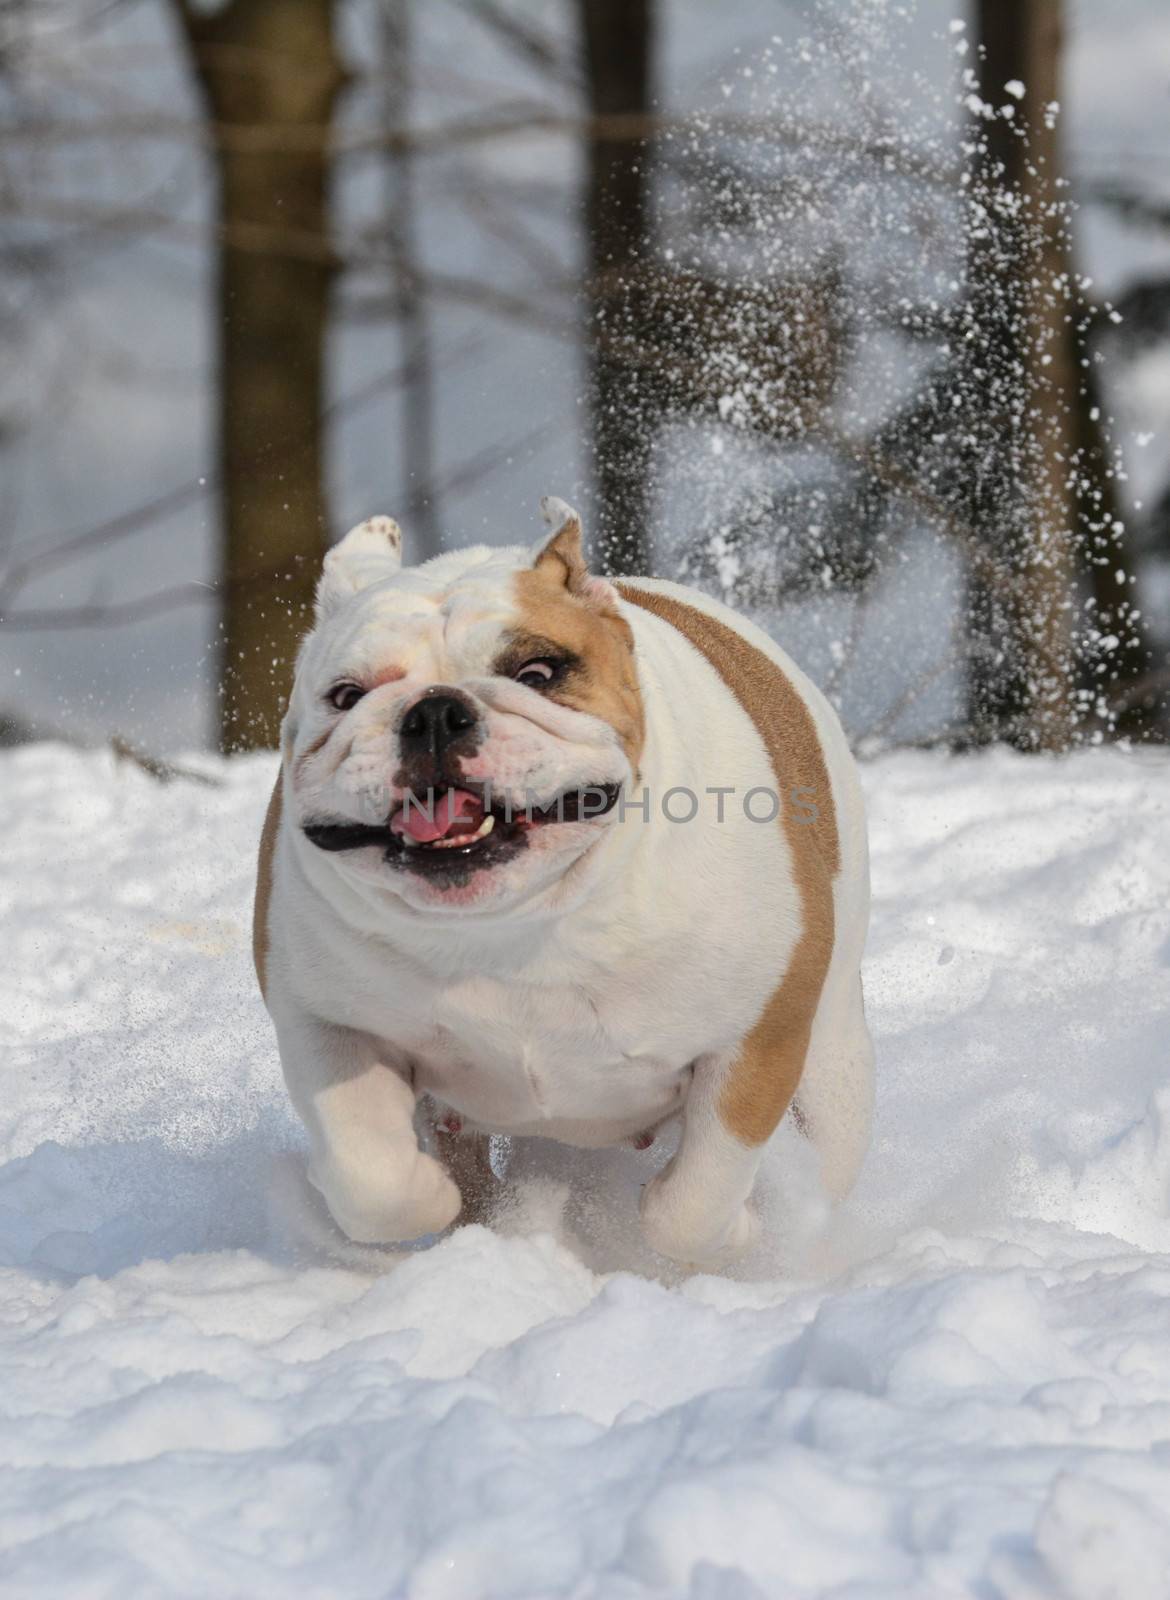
{"x":550,"y":855}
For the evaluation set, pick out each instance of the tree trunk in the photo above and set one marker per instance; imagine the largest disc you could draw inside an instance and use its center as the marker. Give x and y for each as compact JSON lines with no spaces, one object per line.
{"x":619,"y":38}
{"x":1110,"y":564}
{"x":1023,"y":598}
{"x":270,"y":74}
{"x":420,"y":511}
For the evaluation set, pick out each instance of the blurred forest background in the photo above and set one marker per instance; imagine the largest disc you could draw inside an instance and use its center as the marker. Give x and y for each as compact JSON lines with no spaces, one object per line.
{"x":854,"y":312}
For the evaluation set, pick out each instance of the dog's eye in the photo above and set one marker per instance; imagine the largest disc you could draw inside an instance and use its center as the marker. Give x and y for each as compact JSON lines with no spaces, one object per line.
{"x":344,"y":696}
{"x":535,"y":674}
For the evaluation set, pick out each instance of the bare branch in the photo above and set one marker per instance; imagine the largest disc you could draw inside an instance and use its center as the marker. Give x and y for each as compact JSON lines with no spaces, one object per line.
{"x":106,"y":616}
{"x":159,"y":769}
{"x":888,"y":152}
{"x":1155,"y":682}
{"x":179,"y":596}
{"x":950,"y":659}
{"x":79,"y":544}
{"x":537,"y":48}
{"x":142,"y":516}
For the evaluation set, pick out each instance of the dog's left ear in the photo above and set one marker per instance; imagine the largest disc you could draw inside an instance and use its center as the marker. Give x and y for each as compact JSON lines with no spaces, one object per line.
{"x":559,"y":559}
{"x":369,"y":553}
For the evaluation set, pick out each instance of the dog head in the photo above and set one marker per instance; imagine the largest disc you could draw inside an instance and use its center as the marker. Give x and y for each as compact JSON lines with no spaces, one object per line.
{"x":459,"y":732}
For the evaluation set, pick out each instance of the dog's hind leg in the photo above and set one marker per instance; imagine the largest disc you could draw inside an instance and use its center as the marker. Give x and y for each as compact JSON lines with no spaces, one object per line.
{"x":812,"y":1035}
{"x":834,"y":1102}
{"x":695,"y":1211}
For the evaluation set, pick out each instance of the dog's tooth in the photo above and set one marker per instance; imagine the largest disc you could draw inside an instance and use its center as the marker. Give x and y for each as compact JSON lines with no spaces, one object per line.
{"x":481,"y":832}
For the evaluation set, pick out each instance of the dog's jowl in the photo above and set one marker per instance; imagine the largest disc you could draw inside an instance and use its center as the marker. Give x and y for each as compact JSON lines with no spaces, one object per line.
{"x":555,"y":856}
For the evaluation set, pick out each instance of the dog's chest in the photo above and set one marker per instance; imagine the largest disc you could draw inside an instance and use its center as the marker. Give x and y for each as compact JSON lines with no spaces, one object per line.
{"x":518,"y":1057}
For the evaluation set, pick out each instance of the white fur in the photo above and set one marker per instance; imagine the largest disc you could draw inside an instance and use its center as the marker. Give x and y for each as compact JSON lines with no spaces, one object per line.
{"x":604,"y":982}
{"x":368,"y":554}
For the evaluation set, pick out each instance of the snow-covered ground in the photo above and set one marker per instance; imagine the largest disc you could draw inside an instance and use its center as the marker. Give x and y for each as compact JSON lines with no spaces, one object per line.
{"x":958,"y":1386}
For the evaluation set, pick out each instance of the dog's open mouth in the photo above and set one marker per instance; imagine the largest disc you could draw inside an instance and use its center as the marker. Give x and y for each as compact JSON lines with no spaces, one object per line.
{"x":451,"y":829}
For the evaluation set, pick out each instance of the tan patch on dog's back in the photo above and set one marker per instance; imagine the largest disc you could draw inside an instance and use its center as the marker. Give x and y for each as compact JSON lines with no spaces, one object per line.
{"x":762,"y":1081}
{"x":606,"y":685}
{"x":264,"y":887}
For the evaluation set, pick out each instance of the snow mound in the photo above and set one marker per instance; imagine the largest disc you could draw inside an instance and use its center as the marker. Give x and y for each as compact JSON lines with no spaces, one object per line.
{"x":958,"y":1385}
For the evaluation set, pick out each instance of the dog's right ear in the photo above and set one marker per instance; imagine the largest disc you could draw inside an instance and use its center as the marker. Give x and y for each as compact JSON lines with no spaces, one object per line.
{"x":369,"y":553}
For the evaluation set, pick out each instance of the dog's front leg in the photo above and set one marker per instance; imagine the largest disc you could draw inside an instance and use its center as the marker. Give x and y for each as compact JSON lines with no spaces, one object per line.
{"x":695,"y":1211}
{"x":364,"y":1155}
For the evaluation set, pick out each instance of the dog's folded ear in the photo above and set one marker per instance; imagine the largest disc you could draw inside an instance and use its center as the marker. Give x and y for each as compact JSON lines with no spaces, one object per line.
{"x":559,"y":559}
{"x":369,"y":553}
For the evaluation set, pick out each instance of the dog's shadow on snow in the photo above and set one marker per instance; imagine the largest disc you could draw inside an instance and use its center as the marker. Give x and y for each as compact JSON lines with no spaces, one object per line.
{"x":69,"y":1211}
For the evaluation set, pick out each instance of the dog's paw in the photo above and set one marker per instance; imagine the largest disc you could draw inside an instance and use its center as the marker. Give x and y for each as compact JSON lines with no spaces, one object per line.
{"x":389,"y":1202}
{"x":681,"y":1233}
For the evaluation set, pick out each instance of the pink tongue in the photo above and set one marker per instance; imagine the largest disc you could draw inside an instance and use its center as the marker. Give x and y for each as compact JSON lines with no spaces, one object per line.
{"x":457,"y":811}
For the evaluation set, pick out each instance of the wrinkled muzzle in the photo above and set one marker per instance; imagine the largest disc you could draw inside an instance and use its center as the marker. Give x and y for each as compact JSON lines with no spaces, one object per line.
{"x":465,"y":784}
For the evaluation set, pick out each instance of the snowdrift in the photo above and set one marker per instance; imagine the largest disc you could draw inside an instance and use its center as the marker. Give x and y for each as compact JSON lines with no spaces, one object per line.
{"x":958,"y":1385}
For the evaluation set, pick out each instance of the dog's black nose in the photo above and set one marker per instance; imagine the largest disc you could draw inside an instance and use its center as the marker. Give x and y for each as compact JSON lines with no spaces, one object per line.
{"x":434,"y":722}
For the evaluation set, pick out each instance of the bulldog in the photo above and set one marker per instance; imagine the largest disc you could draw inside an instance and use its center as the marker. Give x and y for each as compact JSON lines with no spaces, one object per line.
{"x":555,"y":856}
